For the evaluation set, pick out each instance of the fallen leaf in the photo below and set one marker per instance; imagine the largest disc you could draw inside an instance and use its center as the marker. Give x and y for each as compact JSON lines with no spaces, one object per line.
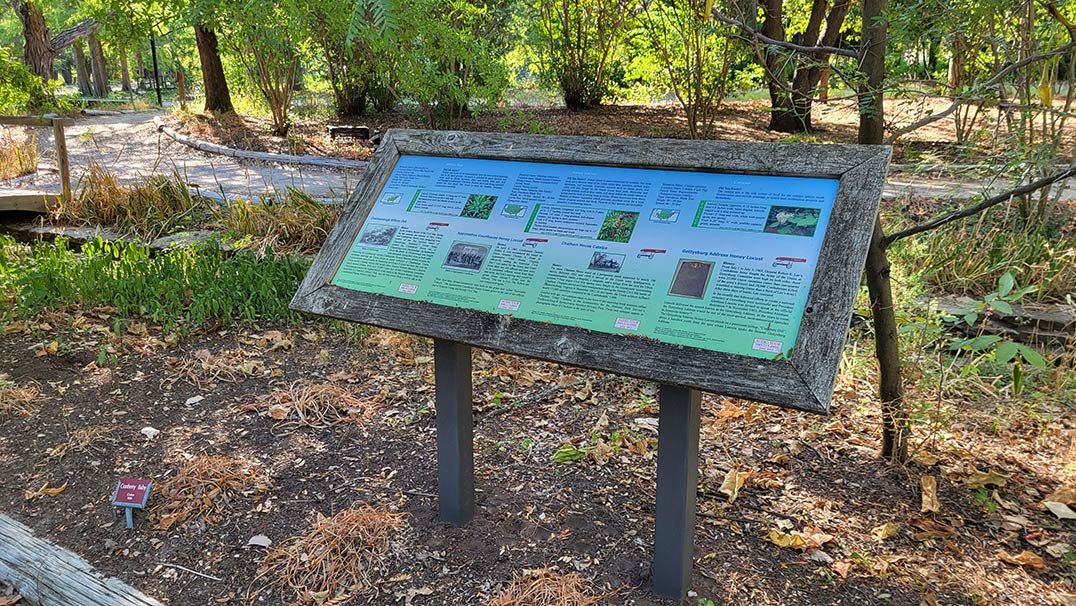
{"x":928,"y":598}
{"x":1060,"y":510}
{"x":1066,"y":495}
{"x":150,"y":432}
{"x":841,"y":567}
{"x":782,"y":539}
{"x":601,"y":452}
{"x":885,"y":531}
{"x":732,"y":484}
{"x":411,"y":594}
{"x":1058,"y":550}
{"x":279,"y":412}
{"x":928,"y":495}
{"x":10,"y":600}
{"x":982,"y":479}
{"x":44,"y":491}
{"x":1024,"y":558}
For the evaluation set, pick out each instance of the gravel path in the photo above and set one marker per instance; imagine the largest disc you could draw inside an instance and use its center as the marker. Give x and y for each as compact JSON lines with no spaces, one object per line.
{"x":130,"y":147}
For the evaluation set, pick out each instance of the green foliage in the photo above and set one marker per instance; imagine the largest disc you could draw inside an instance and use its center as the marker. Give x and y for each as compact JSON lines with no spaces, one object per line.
{"x":182,"y":288}
{"x":578,"y":43}
{"x":569,"y":454}
{"x":618,"y":226}
{"x":21,"y":91}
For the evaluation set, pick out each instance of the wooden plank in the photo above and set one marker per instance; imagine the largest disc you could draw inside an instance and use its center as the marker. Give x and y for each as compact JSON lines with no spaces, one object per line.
{"x":62,"y":160}
{"x":44,"y":573}
{"x":29,"y":201}
{"x":804,"y":381}
{"x":46,"y":120}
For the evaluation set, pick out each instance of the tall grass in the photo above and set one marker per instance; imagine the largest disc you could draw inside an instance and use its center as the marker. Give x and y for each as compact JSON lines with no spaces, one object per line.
{"x":969,"y":258}
{"x":17,"y":158}
{"x":157,"y":206}
{"x":184,"y":287}
{"x":296,"y":222}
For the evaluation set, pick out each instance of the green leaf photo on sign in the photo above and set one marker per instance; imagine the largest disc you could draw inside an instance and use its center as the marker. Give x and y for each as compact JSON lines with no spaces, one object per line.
{"x":792,"y":220}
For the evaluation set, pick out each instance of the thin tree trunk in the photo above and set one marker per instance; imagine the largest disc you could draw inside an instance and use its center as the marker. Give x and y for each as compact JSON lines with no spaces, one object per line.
{"x":99,"y":68}
{"x":217,"y":96}
{"x":125,"y":75}
{"x":82,"y":70}
{"x":181,"y":89}
{"x":895,"y":426}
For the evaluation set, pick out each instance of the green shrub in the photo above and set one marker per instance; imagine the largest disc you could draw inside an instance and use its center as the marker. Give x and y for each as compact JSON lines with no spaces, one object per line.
{"x":182,"y":288}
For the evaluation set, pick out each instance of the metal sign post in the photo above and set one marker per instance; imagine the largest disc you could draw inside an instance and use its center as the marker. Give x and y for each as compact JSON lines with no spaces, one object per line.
{"x":455,"y":427}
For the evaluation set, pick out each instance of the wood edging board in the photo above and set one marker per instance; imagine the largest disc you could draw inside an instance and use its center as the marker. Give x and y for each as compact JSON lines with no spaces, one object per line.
{"x":223,"y":150}
{"x":803,"y":381}
{"x":49,"y":575}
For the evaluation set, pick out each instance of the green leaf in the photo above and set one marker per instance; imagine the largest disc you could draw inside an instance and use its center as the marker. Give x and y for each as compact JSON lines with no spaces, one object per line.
{"x":1006,"y":283}
{"x":569,"y":453}
{"x":970,"y":318}
{"x":1031,"y":356}
{"x":1002,"y":306}
{"x":982,"y":342}
{"x":1005,"y":352}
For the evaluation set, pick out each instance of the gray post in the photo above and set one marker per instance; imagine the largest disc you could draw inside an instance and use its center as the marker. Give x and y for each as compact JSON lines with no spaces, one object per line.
{"x":455,"y":431}
{"x":128,"y":517}
{"x":678,"y":472}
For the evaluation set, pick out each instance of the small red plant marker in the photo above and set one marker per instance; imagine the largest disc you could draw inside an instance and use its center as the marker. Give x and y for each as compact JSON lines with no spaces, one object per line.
{"x":131,"y":493}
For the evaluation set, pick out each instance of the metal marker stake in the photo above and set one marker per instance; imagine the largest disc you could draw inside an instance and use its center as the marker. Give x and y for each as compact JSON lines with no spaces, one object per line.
{"x":128,"y":516}
{"x":455,"y":431}
{"x":678,"y":472}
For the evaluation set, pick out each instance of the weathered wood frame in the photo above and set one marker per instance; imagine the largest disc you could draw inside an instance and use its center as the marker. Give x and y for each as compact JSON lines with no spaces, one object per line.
{"x":803,"y":381}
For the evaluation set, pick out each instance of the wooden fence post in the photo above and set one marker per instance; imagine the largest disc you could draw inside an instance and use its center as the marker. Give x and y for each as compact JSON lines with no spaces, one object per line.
{"x":61,"y":158}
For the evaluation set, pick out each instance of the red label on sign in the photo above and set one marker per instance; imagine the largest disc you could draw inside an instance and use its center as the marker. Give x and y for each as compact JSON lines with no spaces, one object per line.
{"x":131,"y":491}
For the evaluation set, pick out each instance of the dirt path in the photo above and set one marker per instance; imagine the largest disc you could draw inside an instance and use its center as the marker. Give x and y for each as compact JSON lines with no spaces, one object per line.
{"x":130,"y":147}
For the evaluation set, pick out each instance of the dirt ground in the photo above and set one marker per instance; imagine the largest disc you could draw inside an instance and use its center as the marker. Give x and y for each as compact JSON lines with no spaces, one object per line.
{"x":836,"y":121}
{"x":816,"y":476}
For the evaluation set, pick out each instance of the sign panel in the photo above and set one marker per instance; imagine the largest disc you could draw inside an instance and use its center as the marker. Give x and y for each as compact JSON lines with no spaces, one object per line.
{"x":715,"y":261}
{"x":132,"y":492}
{"x":723,"y":266}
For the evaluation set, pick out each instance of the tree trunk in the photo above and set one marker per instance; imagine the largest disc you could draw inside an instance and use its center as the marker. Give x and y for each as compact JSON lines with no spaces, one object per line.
{"x":125,"y":75}
{"x":217,"y":96}
{"x":773,"y":63}
{"x":99,"y":68}
{"x":140,"y":65}
{"x":181,"y":89}
{"x":36,"y":49}
{"x":895,"y":421}
{"x":82,"y":71}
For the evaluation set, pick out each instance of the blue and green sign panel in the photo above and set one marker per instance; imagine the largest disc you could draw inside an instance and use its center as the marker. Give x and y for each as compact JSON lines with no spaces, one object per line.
{"x":720,"y":262}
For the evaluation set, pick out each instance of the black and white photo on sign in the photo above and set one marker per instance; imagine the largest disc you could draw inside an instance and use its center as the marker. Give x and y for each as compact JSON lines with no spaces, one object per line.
{"x":606,"y":262}
{"x":378,"y":235}
{"x":691,"y":278}
{"x":466,"y":255}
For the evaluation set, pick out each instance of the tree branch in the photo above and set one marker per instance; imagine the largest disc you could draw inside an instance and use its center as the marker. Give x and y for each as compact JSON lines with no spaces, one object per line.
{"x":809,"y":50}
{"x":72,"y":34}
{"x":981,"y":206}
{"x":985,"y":85}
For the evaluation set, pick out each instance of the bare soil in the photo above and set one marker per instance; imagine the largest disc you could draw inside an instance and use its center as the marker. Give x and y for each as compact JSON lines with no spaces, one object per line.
{"x":593,"y":516}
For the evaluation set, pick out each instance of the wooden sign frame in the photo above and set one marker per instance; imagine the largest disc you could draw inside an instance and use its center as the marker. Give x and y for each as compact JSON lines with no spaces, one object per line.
{"x":804,"y":380}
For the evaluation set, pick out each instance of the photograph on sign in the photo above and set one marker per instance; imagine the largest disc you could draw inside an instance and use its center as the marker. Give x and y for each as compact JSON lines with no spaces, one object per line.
{"x":652,"y":275}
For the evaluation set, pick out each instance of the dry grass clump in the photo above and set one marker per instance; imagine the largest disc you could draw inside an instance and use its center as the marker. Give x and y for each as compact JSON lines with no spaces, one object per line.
{"x":17,"y":158}
{"x":295,"y":222}
{"x":156,"y":206}
{"x":317,"y":405}
{"x":17,"y":400}
{"x":203,"y":368}
{"x":545,"y":587}
{"x":84,"y":439}
{"x":205,"y":488}
{"x":339,"y":557}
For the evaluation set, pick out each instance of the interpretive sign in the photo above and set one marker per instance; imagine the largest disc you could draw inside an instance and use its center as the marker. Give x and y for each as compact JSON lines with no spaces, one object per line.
{"x":725,"y":267}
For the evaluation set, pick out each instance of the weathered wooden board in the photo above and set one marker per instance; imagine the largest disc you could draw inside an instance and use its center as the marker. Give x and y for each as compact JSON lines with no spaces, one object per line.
{"x":26,"y":201}
{"x":50,"y":575}
{"x":804,"y":380}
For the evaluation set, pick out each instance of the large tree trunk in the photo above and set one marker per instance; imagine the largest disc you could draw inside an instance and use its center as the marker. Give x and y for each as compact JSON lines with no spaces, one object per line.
{"x":99,"y":68}
{"x":773,"y":59}
{"x":82,"y":70}
{"x":36,"y":50}
{"x":791,"y":103}
{"x":895,"y":421}
{"x":217,"y":96}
